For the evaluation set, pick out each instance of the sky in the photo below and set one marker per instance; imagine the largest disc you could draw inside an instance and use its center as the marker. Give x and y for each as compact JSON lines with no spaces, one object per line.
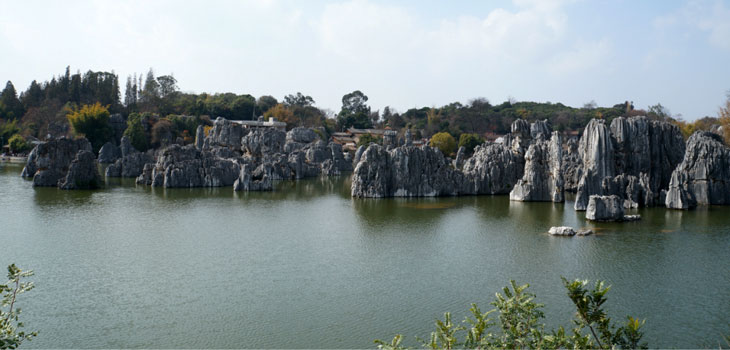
{"x":402,"y":54}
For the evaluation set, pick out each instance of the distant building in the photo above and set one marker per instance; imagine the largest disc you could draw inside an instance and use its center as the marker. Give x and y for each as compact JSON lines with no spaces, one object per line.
{"x":271,"y":123}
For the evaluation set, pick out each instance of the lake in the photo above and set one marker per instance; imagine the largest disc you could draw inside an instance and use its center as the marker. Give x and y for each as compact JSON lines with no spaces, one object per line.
{"x":306,"y":266}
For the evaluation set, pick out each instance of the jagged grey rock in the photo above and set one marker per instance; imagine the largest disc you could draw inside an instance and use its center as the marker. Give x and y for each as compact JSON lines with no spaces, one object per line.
{"x":562,"y":231}
{"x":301,"y":135}
{"x":493,"y":169}
{"x":49,"y":162}
{"x":605,"y":208}
{"x":118,"y":125}
{"x":460,"y":157}
{"x":82,"y":173}
{"x":521,"y":128}
{"x":406,"y":171}
{"x":225,"y":134}
{"x":542,"y":179}
{"x":408,"y":138}
{"x":572,"y":166}
{"x":540,"y":127}
{"x":186,"y":166}
{"x":358,"y":154}
{"x":200,"y":137}
{"x":584,"y":232}
{"x":256,"y":180}
{"x":126,"y":147}
{"x":130,"y":165}
{"x":109,"y":153}
{"x":703,"y":176}
{"x":263,"y":141}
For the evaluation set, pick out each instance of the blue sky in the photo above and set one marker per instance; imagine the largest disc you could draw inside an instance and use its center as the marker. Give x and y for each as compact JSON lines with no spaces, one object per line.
{"x":400,"y":53}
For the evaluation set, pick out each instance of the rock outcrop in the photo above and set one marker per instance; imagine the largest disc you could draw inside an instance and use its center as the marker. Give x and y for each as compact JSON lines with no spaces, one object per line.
{"x":225,"y":134}
{"x":132,"y":162}
{"x":493,"y":169}
{"x":263,"y":141}
{"x":542,"y":180}
{"x":703,"y":176}
{"x":82,"y":174}
{"x":605,"y":208}
{"x":200,"y":137}
{"x":49,"y":162}
{"x":561,"y":231}
{"x":540,"y":127}
{"x":186,"y":166}
{"x":109,"y":153}
{"x":572,"y":167}
{"x":641,"y":151}
{"x":406,"y":171}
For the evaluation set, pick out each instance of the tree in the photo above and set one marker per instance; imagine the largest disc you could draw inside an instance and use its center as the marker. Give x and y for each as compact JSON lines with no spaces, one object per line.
{"x":444,"y":142}
{"x":281,"y":113}
{"x":354,"y":112}
{"x":243,"y":107}
{"x":10,"y":334}
{"x":130,"y":93}
{"x":518,"y":318}
{"x":264,"y":103}
{"x":367,"y":139}
{"x":10,"y":105}
{"x":167,"y":86}
{"x":18,"y":144}
{"x":92,"y":121}
{"x":470,"y":141}
{"x":298,"y":100}
{"x":136,"y":133}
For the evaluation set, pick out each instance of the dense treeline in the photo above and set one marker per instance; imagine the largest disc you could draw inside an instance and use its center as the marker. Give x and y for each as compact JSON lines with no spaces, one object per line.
{"x":43,"y":109}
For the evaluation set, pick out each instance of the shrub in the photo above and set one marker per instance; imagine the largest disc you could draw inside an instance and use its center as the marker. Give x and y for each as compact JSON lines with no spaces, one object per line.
{"x":444,"y":142}
{"x":91,"y":121}
{"x":10,"y":335}
{"x":518,"y":318}
{"x":367,"y":139}
{"x":18,"y":144}
{"x":470,"y":141}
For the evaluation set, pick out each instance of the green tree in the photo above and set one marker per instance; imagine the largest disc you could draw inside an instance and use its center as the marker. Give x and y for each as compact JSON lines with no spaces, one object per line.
{"x":264,"y":103}
{"x":470,"y":141}
{"x":136,"y":132}
{"x":10,"y":105}
{"x":367,"y":139}
{"x":92,"y":121}
{"x":298,"y":100}
{"x":444,"y":142}
{"x":354,"y":113}
{"x":18,"y":144}
{"x":519,"y":320}
{"x":11,"y":335}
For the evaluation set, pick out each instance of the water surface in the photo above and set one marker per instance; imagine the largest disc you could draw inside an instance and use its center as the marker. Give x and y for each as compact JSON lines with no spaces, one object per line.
{"x":306,"y":266}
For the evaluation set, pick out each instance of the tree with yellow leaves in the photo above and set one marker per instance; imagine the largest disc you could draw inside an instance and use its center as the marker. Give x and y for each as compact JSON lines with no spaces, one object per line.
{"x":91,"y":121}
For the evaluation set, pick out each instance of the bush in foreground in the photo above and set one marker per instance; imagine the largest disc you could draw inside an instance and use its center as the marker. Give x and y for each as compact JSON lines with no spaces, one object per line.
{"x":518,"y":319}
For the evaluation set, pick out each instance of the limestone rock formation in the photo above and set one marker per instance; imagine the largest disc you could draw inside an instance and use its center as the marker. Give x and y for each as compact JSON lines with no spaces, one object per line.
{"x":540,"y":127}
{"x":225,"y":134}
{"x":49,"y":162}
{"x":109,"y":153}
{"x":493,"y":169}
{"x":572,"y":167}
{"x":542,"y":179}
{"x":263,"y":141}
{"x":561,"y":231}
{"x":703,"y":176}
{"x":460,"y":157}
{"x":200,"y":137}
{"x":256,"y":180}
{"x":406,"y":171}
{"x":635,"y":147}
{"x":186,"y":166}
{"x":605,"y":208}
{"x":82,"y":173}
{"x":118,"y":125}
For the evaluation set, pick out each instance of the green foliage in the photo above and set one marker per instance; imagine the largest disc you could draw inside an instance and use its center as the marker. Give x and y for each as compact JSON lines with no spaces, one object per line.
{"x":136,"y":132}
{"x":11,"y":335}
{"x":519,"y":320}
{"x":18,"y":144}
{"x":367,"y":139}
{"x":92,"y":121}
{"x":470,"y":141}
{"x":8,"y":129}
{"x":10,"y":105}
{"x":354,"y":113}
{"x":444,"y":142}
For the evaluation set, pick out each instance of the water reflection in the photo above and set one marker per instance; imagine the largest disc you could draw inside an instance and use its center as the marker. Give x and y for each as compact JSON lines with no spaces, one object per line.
{"x":54,"y":197}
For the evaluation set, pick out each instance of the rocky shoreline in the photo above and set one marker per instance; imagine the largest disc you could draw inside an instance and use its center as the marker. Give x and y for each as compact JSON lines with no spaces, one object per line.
{"x":633,"y":162}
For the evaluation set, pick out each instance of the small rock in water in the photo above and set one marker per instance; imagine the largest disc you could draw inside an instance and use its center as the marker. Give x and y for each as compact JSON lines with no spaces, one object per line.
{"x":632,"y":217}
{"x":562,"y":231}
{"x":584,"y":232}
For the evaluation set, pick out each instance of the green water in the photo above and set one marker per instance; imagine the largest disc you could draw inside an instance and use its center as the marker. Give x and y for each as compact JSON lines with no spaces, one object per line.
{"x":307,"y":266}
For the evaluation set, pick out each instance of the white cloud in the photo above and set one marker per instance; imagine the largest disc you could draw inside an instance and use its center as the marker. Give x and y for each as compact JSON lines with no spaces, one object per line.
{"x":711,"y":18}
